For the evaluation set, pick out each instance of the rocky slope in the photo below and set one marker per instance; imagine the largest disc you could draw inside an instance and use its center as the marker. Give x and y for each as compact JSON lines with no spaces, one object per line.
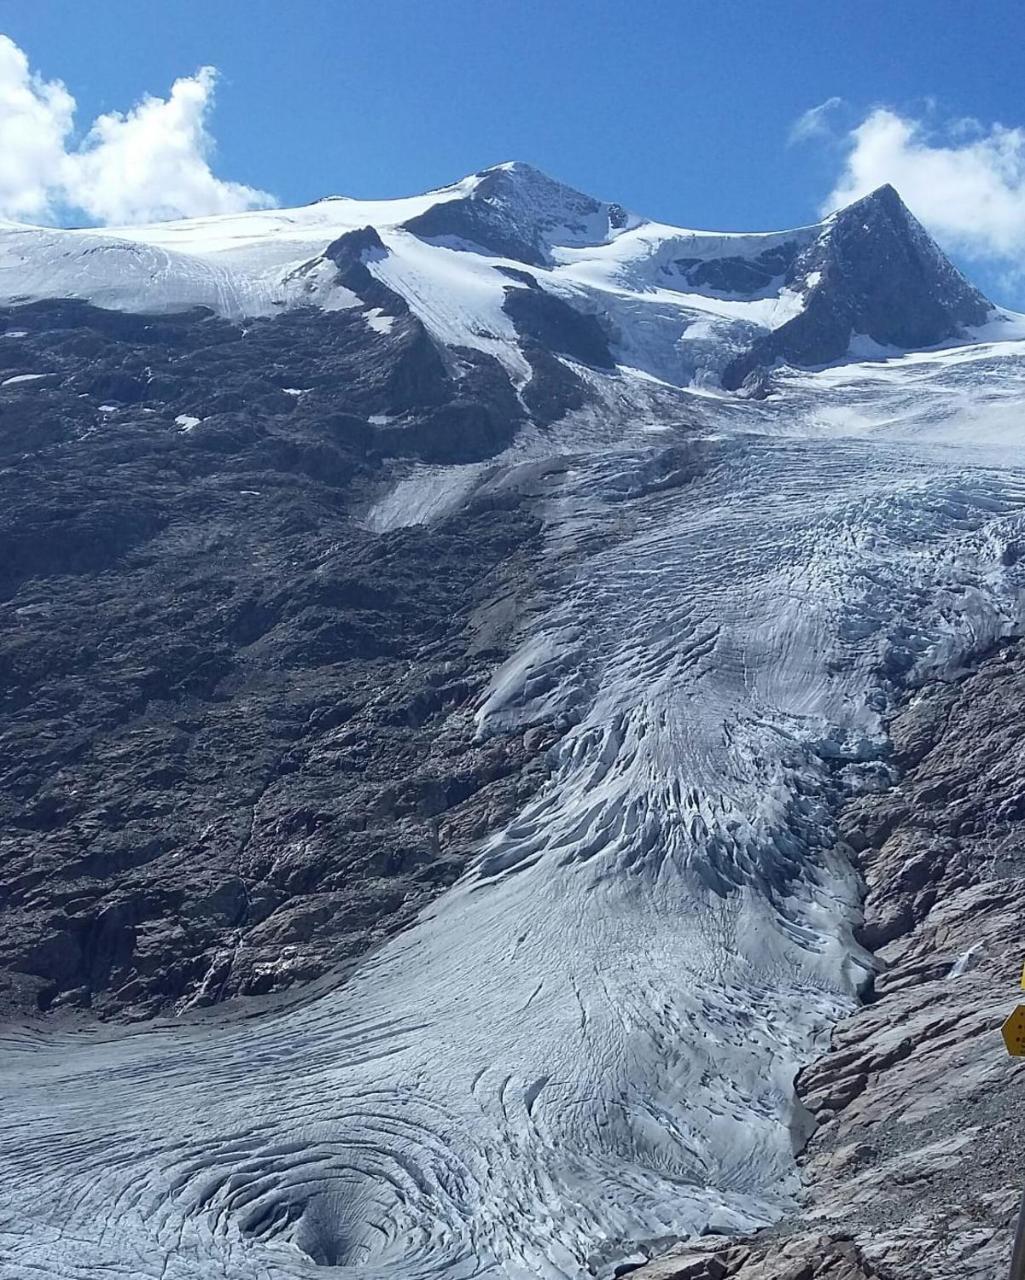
{"x":914,"y":1167}
{"x":235,"y":741}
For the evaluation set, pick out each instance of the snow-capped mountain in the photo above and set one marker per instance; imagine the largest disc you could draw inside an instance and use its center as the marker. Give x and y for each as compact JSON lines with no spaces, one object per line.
{"x":681,"y":306}
{"x":442,"y":642}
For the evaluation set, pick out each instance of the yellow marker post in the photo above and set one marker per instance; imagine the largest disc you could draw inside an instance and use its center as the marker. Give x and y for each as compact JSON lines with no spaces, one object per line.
{"x":1013,"y":1032}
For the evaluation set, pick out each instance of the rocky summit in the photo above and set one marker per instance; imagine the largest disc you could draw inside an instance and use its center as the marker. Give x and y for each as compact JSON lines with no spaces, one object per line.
{"x":510,"y":756}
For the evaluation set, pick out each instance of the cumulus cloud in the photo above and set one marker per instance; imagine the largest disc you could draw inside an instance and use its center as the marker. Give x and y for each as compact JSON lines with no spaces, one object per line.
{"x":965,"y":181}
{"x":149,"y":163}
{"x":154,"y":161}
{"x":36,"y":118}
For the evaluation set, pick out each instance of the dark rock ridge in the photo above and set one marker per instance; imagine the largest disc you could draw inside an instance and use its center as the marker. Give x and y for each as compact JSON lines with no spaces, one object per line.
{"x":236,"y":727}
{"x":513,"y":211}
{"x":740,"y":276}
{"x":462,"y":404}
{"x":874,"y":271}
{"x":545,"y":322}
{"x":548,"y":328}
{"x":915,"y":1168}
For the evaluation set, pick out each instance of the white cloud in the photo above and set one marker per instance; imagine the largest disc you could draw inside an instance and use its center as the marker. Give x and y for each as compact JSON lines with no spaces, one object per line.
{"x":146,"y":164}
{"x":815,"y":123}
{"x":966,"y":182}
{"x":35,"y":122}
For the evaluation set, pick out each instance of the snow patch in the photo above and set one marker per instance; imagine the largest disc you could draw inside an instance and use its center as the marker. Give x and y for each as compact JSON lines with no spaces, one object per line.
{"x":379,"y":322}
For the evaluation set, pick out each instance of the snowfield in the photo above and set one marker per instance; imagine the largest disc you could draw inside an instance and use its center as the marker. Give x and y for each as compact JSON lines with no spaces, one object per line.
{"x":666,"y":322}
{"x":588,"y":1045}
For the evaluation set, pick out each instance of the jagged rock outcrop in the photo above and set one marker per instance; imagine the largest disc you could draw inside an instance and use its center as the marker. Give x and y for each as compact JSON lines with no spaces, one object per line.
{"x":875,"y":272}
{"x":800,"y":1257}
{"x":739,"y":275}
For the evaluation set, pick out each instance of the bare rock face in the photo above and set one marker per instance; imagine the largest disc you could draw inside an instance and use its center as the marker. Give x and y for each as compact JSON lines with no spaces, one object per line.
{"x":915,"y":1168}
{"x":873,"y":271}
{"x":917,"y":1150}
{"x":238,"y":745}
{"x":801,"y":1257}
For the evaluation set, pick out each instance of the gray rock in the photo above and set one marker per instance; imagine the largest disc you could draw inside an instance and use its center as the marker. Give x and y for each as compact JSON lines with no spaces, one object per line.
{"x":237,"y":745}
{"x":873,"y":271}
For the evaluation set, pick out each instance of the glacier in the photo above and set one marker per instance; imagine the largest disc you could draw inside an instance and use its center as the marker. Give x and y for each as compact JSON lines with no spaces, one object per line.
{"x":588,"y":1045}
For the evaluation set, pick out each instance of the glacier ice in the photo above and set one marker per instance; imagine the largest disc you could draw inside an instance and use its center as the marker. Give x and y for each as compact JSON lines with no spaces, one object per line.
{"x":589,"y":1043}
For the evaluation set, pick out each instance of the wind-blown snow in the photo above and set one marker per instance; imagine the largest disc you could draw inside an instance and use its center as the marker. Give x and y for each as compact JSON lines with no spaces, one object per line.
{"x":589,"y":1043}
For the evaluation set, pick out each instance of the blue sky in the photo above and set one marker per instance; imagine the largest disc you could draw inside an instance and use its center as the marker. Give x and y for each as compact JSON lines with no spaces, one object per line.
{"x":682,"y":111}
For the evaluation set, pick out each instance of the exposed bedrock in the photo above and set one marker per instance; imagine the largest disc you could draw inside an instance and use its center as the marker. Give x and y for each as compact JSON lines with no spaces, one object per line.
{"x":237,"y":745}
{"x":805,"y":1257}
{"x":915,"y":1167}
{"x":515,"y":211}
{"x":873,"y":271}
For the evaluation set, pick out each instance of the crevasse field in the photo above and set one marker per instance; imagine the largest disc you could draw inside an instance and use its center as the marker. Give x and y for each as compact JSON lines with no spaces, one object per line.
{"x":589,"y":1043}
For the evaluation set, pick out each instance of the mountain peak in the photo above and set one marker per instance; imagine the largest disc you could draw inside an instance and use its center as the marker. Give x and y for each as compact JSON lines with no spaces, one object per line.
{"x":887,"y":196}
{"x":881,"y":212}
{"x":880,"y":242}
{"x":873,"y":272}
{"x":885,"y":200}
{"x":517,"y":169}
{"x":525,"y":187}
{"x":514,"y":210}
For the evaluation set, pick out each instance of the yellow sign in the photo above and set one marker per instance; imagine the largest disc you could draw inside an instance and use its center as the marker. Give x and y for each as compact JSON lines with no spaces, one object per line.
{"x":1013,"y":1032}
{"x":1023,"y":979}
